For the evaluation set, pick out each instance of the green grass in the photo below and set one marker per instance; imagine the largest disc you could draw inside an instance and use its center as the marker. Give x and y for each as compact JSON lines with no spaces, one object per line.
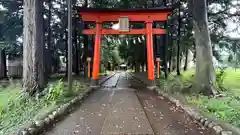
{"x":101,"y":74}
{"x":226,"y":108}
{"x":16,"y":110}
{"x":232,"y":80}
{"x":130,"y":70}
{"x":105,"y":73}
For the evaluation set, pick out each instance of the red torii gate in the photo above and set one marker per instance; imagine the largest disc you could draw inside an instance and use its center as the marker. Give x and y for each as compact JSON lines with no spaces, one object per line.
{"x":134,"y":15}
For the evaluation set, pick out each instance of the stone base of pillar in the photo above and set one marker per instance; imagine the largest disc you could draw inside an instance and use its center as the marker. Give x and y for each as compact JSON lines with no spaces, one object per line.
{"x":95,"y":84}
{"x":151,"y":85}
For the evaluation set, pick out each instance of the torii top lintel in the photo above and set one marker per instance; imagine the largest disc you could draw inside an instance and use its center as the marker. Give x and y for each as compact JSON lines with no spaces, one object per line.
{"x":111,"y":15}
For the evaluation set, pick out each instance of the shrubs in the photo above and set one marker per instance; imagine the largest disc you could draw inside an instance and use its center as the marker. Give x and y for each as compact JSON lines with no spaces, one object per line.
{"x":226,"y":108}
{"x":16,"y":109}
{"x":55,"y":92}
{"x":220,"y":76}
{"x":176,"y":84}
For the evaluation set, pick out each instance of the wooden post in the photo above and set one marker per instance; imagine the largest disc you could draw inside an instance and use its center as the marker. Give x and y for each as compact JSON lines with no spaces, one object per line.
{"x":89,"y":67}
{"x":150,"y":59}
{"x":158,"y":68}
{"x":96,"y":59}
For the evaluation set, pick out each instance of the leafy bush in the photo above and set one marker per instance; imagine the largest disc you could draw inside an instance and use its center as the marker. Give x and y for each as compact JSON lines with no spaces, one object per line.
{"x":226,"y":109}
{"x":194,"y":101}
{"x":176,"y":84}
{"x":78,"y":87}
{"x":56,"y":91}
{"x":220,"y":76}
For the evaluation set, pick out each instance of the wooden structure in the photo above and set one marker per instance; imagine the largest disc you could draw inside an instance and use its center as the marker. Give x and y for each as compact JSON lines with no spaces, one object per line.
{"x":99,"y":16}
{"x":158,"y":67}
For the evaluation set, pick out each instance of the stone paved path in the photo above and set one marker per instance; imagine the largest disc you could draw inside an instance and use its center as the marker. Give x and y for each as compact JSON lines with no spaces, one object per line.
{"x":124,"y":106}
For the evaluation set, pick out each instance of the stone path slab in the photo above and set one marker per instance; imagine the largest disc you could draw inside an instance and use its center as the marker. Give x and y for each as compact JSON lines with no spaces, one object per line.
{"x":112,"y":82}
{"x":88,"y":119}
{"x":126,"y":116}
{"x":167,"y":119}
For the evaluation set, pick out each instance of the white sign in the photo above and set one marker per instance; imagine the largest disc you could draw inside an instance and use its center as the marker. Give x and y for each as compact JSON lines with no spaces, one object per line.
{"x":123,"y":24}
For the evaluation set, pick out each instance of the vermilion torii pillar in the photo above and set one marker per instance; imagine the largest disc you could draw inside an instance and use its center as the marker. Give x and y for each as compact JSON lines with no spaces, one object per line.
{"x":133,"y":15}
{"x":150,"y":57}
{"x":96,"y":56}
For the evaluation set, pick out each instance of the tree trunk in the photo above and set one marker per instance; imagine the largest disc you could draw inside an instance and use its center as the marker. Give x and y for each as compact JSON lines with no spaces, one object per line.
{"x":178,"y":60}
{"x":80,"y":40}
{"x":3,"y":65}
{"x":85,"y":53}
{"x":49,"y":23}
{"x":179,"y":38}
{"x":137,"y":66}
{"x":186,"y":60}
{"x":195,"y":52}
{"x":205,"y":72}
{"x":75,"y":36}
{"x":170,"y":62}
{"x":165,"y":43}
{"x":33,"y":65}
{"x":165,"y":53}
{"x":49,"y":50}
{"x":142,"y":67}
{"x":47,"y":62}
{"x":170,"y":51}
{"x":76,"y":59}
{"x":66,"y":51}
{"x":85,"y":3}
{"x":55,"y":64}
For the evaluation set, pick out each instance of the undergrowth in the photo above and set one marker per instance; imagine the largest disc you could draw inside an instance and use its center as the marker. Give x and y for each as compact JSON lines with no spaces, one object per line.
{"x":16,"y":109}
{"x":225,"y":108}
